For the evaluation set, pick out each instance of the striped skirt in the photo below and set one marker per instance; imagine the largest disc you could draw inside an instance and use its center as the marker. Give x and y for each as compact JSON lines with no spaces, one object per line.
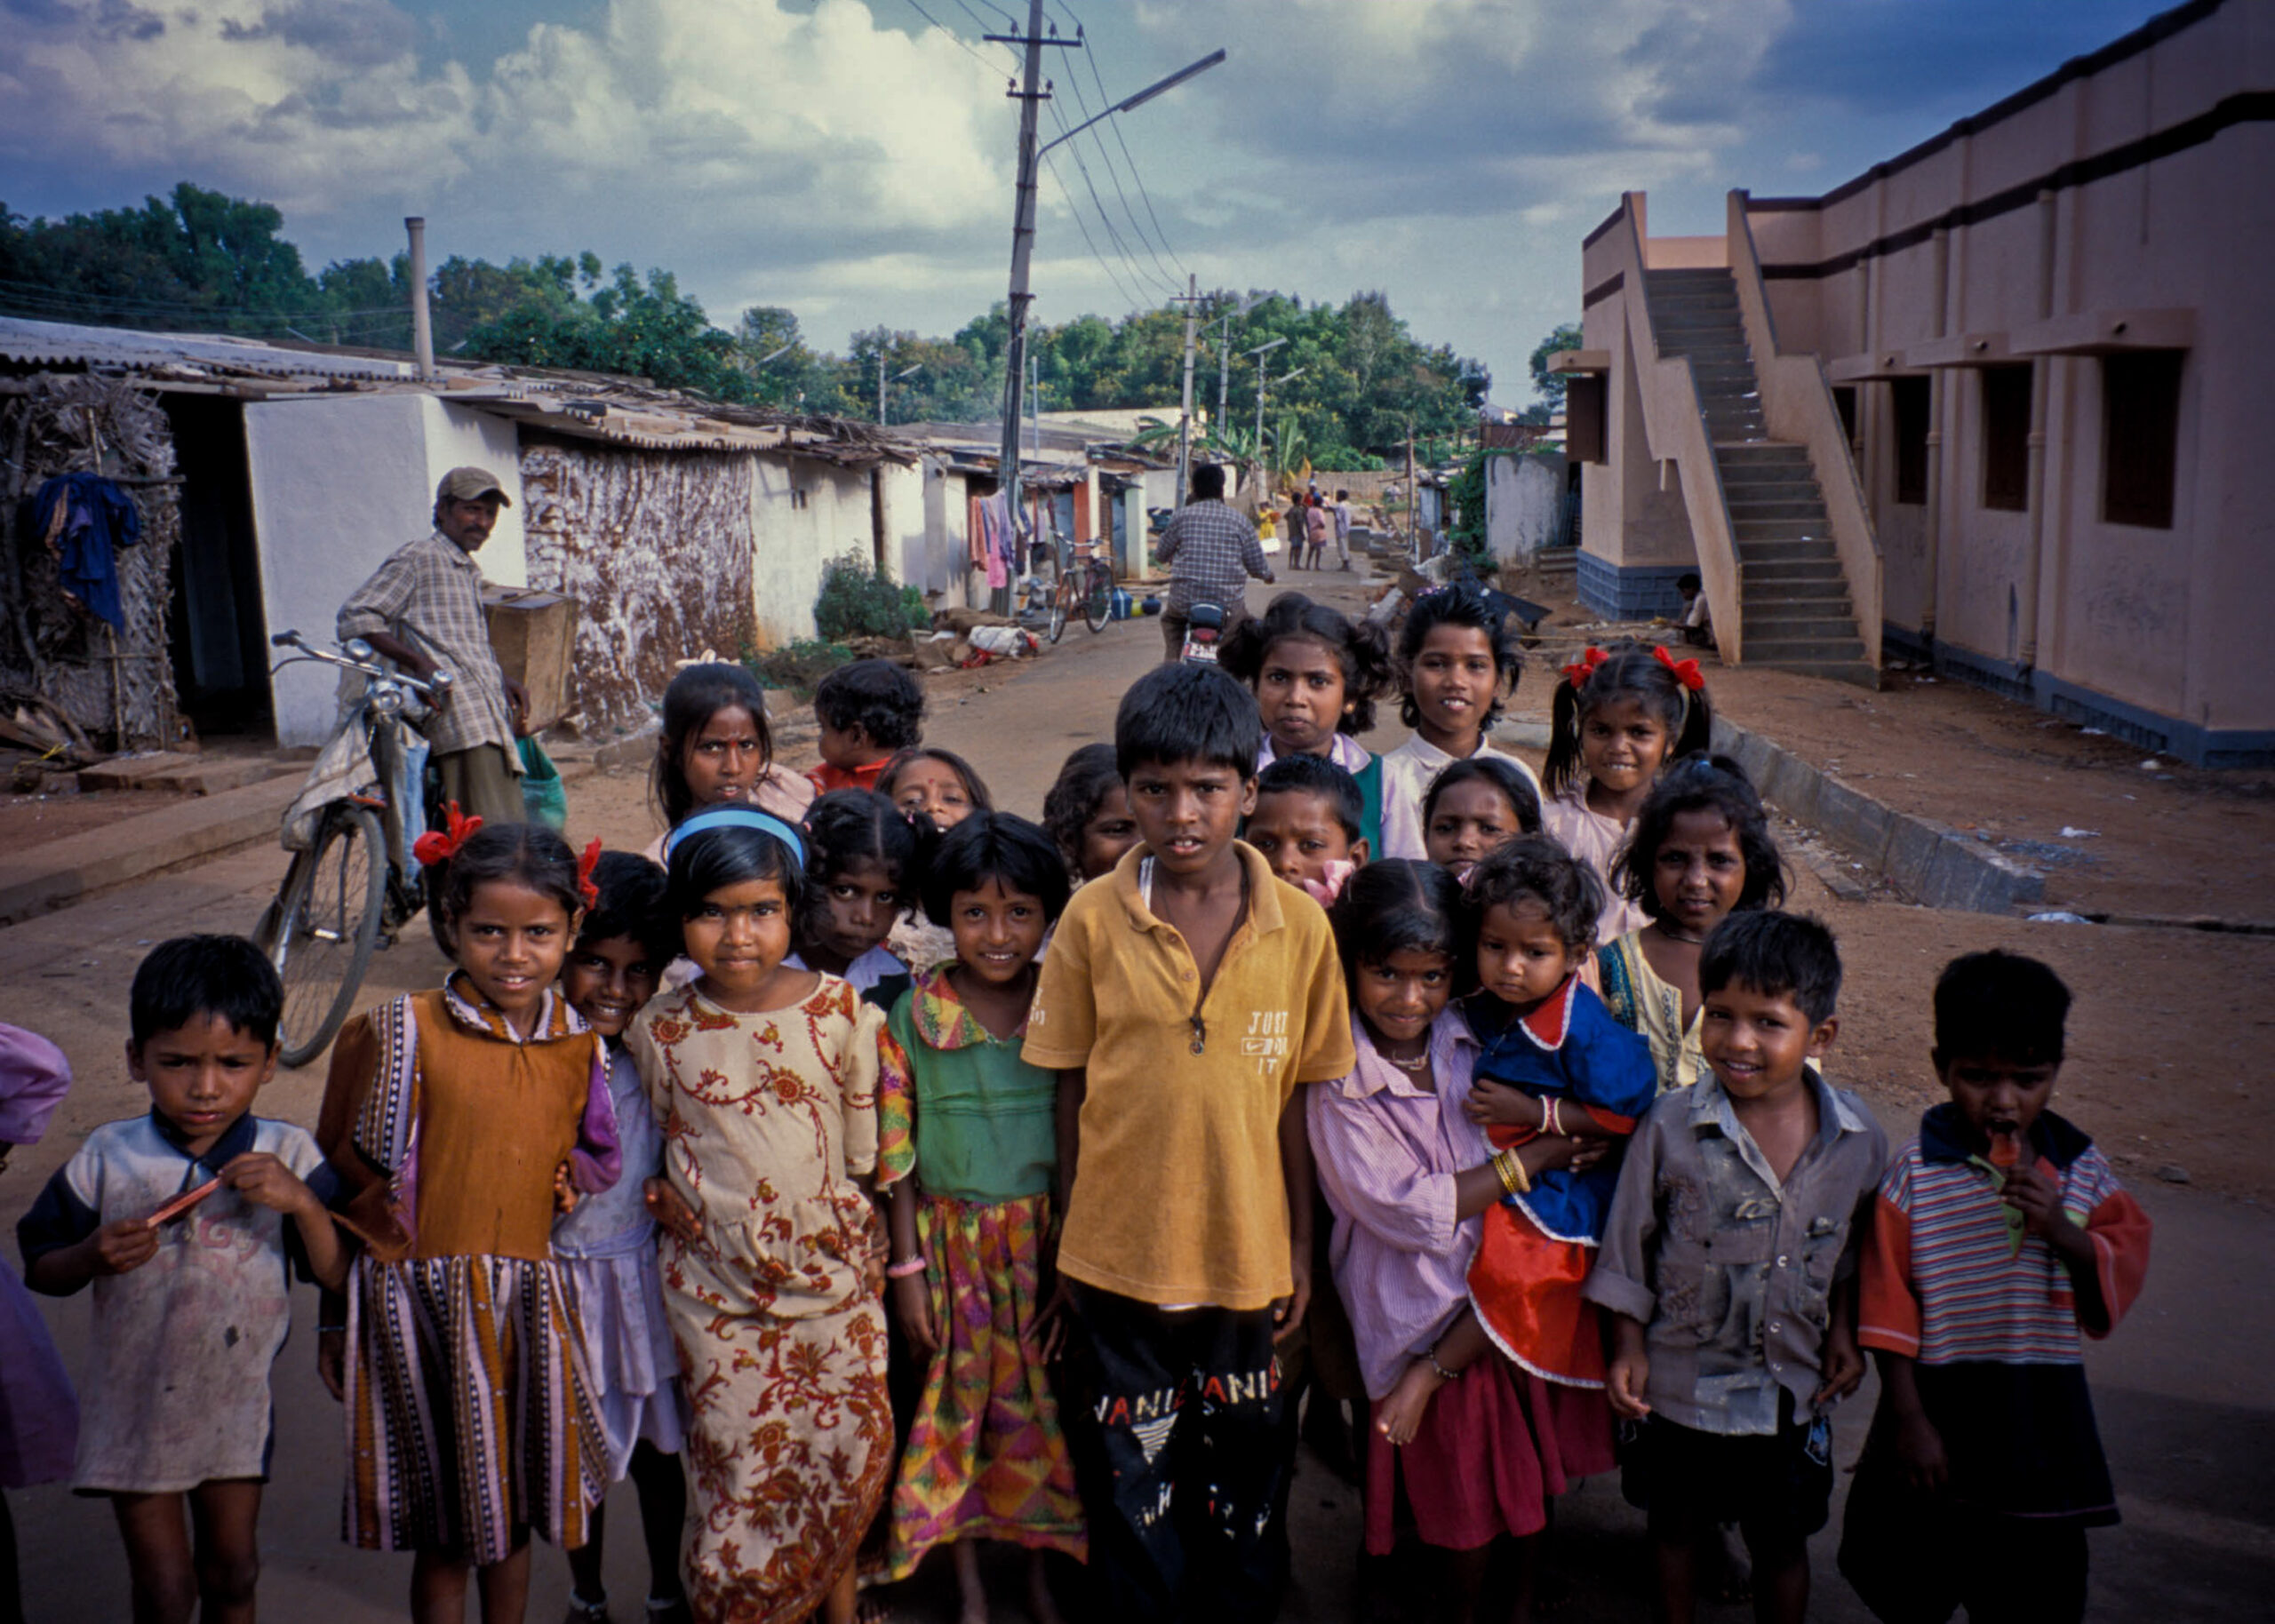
{"x":469,"y":1416}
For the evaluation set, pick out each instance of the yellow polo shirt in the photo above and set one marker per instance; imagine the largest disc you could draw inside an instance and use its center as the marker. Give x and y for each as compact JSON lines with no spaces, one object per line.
{"x":1178,"y":1194}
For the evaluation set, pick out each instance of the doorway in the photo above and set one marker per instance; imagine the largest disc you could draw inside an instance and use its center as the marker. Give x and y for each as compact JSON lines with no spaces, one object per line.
{"x":218,"y":633}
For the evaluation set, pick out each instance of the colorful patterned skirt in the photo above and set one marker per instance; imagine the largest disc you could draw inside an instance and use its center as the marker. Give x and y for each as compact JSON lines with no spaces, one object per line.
{"x":469,"y":1416}
{"x":789,"y":1447}
{"x":986,"y":1458}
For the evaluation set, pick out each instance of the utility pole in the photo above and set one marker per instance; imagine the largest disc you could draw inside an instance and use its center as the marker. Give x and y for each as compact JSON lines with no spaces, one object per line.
{"x":1031,"y":93}
{"x":881,"y":385}
{"x":1192,"y":302}
{"x":1413,"y":500}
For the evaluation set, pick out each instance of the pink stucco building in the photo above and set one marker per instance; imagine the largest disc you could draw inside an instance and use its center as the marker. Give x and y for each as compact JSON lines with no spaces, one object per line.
{"x":2003,"y":402}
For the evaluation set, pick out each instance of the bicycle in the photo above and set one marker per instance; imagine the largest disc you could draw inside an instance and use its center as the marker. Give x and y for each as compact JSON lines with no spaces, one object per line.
{"x":354,"y":881}
{"x":1087,"y":584}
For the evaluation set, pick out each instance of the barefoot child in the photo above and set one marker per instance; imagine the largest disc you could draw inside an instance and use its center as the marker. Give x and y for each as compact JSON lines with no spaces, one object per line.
{"x":1457,"y":658}
{"x":1726,"y":1268}
{"x":1306,"y":824}
{"x":1702,"y":850}
{"x":185,"y":1219}
{"x":1316,"y":675}
{"x":460,"y":1121}
{"x":1616,"y":721}
{"x":985,"y":1458}
{"x":1554,"y":1061}
{"x":869,"y":712}
{"x":1475,"y":1452}
{"x":765,"y":1078}
{"x":936,"y":783}
{"x":607,"y":1245}
{"x":1087,"y":812}
{"x":2001,"y":1233}
{"x":1183,"y":1002}
{"x":1476,"y":805}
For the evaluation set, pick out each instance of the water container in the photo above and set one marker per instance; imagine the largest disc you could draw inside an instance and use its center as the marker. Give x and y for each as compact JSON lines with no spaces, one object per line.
{"x":1120,"y":609}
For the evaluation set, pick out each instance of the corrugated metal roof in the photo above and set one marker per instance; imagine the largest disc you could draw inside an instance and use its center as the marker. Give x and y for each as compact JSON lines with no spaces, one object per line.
{"x":62,"y":343}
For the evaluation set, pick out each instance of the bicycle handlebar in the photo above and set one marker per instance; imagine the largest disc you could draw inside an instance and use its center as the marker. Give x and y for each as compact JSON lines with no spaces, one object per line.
{"x":430,"y":689}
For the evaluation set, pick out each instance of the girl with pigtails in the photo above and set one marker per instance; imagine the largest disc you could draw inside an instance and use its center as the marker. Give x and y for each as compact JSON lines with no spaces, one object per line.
{"x":1617,"y":720}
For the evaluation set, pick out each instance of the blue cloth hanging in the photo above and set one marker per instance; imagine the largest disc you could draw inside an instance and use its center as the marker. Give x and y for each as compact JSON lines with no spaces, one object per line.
{"x":96,"y":518}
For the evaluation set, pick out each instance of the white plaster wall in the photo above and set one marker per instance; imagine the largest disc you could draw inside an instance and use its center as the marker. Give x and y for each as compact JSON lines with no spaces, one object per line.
{"x":803,"y":513}
{"x":338,"y":484}
{"x":1521,"y":497}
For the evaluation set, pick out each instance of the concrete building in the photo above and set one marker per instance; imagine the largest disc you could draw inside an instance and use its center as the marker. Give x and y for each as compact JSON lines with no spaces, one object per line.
{"x":2000,"y":404}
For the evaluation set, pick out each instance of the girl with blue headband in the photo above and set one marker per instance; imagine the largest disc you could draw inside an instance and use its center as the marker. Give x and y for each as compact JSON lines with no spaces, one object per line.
{"x":765,"y":1077}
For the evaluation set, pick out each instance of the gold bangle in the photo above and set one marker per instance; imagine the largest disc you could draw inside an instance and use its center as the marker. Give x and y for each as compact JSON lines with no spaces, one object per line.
{"x":1513,"y":1177}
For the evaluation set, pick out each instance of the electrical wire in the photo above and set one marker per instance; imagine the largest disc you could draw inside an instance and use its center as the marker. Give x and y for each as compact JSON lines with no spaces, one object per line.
{"x":1139,"y":272}
{"x":1120,"y":141}
{"x":1138,"y":226}
{"x":1135,"y":302}
{"x":961,"y":44}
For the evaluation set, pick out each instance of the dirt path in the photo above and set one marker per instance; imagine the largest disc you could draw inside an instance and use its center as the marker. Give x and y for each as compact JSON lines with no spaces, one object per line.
{"x":2160,"y":1072}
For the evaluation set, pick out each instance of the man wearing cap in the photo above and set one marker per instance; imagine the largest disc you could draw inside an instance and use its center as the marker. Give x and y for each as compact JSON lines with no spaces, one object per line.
{"x":422,"y":609}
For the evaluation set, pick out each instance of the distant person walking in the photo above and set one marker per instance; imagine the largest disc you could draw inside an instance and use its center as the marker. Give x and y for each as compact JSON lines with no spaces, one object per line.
{"x":1210,"y":550}
{"x":1342,"y":510}
{"x":1317,"y":526}
{"x":422,"y":609}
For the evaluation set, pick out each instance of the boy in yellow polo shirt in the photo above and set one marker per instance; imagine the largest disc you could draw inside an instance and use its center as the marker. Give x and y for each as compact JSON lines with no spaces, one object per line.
{"x":1183,"y":1002}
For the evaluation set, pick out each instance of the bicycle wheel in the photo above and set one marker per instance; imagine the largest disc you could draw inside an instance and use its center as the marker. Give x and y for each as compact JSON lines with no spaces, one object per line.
{"x":323,"y":926}
{"x":1062,"y":591}
{"x":1098,"y":600}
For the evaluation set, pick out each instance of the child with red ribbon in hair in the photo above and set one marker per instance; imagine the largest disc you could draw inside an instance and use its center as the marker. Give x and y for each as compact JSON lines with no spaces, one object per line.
{"x":460,"y":1122}
{"x":1617,"y":720}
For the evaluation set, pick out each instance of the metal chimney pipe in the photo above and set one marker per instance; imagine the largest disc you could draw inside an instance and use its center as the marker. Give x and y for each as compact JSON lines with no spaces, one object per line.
{"x":422,"y":324}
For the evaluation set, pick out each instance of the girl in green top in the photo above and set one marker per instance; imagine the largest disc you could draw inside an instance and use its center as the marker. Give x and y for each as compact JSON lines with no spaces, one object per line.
{"x":985,"y":1458}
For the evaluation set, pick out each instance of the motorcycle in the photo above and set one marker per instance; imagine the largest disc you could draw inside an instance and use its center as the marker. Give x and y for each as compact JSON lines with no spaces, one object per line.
{"x":1204,"y":630}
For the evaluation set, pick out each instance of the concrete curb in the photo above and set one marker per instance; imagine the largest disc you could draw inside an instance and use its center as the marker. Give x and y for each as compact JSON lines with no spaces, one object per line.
{"x":59,"y":872}
{"x":1931,"y":862}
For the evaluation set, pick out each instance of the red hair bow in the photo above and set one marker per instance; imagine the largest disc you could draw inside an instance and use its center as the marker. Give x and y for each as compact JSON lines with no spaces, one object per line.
{"x":1685,"y":672}
{"x":440,"y":845}
{"x":1578,"y":672}
{"x":585,"y":865}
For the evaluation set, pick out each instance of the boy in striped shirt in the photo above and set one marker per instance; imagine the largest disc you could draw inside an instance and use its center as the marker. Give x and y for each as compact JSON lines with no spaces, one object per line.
{"x":2002,"y":1232}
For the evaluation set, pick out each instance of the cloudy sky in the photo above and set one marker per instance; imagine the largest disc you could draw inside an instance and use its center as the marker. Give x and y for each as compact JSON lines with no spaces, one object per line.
{"x":852,"y":159}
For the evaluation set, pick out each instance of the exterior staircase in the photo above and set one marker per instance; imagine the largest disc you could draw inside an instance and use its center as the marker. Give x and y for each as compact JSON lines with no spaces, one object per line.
{"x":1794,"y":597}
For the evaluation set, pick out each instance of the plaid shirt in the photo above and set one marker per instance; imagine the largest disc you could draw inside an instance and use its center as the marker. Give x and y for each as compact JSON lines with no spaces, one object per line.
{"x":429,"y":594}
{"x":1212,"y":550}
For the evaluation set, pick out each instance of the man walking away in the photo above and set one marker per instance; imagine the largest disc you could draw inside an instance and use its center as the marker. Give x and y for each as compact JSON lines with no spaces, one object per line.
{"x":1210,"y":550}
{"x":422,"y":609}
{"x":1343,"y":529}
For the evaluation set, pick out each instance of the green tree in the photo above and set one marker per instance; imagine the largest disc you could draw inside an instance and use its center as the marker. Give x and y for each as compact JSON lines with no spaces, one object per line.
{"x":1550,"y":385}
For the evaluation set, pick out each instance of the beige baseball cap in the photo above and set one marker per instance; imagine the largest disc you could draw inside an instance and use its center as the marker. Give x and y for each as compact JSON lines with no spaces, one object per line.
{"x":471,"y":485}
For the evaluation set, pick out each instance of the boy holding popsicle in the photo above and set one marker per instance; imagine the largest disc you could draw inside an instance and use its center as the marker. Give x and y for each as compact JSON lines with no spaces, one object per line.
{"x":185,"y":1219}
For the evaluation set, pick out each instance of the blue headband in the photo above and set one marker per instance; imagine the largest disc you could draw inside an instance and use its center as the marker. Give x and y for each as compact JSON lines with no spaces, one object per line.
{"x":737,"y":817}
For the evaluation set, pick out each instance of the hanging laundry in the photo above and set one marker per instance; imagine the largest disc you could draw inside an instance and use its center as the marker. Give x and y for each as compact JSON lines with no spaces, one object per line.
{"x":83,"y":518}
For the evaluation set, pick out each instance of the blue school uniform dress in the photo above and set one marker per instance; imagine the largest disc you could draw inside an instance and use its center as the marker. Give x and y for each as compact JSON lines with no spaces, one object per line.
{"x":1536,"y":1247}
{"x":176,"y":1388}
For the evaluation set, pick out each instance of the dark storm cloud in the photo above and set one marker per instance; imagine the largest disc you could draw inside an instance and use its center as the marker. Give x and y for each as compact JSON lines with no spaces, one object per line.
{"x":353,"y":33}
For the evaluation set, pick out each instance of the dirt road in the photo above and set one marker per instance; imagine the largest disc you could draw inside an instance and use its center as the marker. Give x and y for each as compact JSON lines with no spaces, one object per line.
{"x":2164,"y":1047}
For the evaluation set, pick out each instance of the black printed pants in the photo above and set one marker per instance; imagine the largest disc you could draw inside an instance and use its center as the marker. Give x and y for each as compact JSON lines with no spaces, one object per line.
{"x":1177,"y":1432}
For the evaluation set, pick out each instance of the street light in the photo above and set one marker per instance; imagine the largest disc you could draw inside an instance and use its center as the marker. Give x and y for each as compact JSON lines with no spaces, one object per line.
{"x":1224,"y":350}
{"x":1188,"y":71}
{"x":1023,"y":225}
{"x":1259,"y":352}
{"x":909,"y":372}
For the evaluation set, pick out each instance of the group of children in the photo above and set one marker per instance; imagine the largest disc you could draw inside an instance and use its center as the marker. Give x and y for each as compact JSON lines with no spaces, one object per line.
{"x":1493,"y":1106}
